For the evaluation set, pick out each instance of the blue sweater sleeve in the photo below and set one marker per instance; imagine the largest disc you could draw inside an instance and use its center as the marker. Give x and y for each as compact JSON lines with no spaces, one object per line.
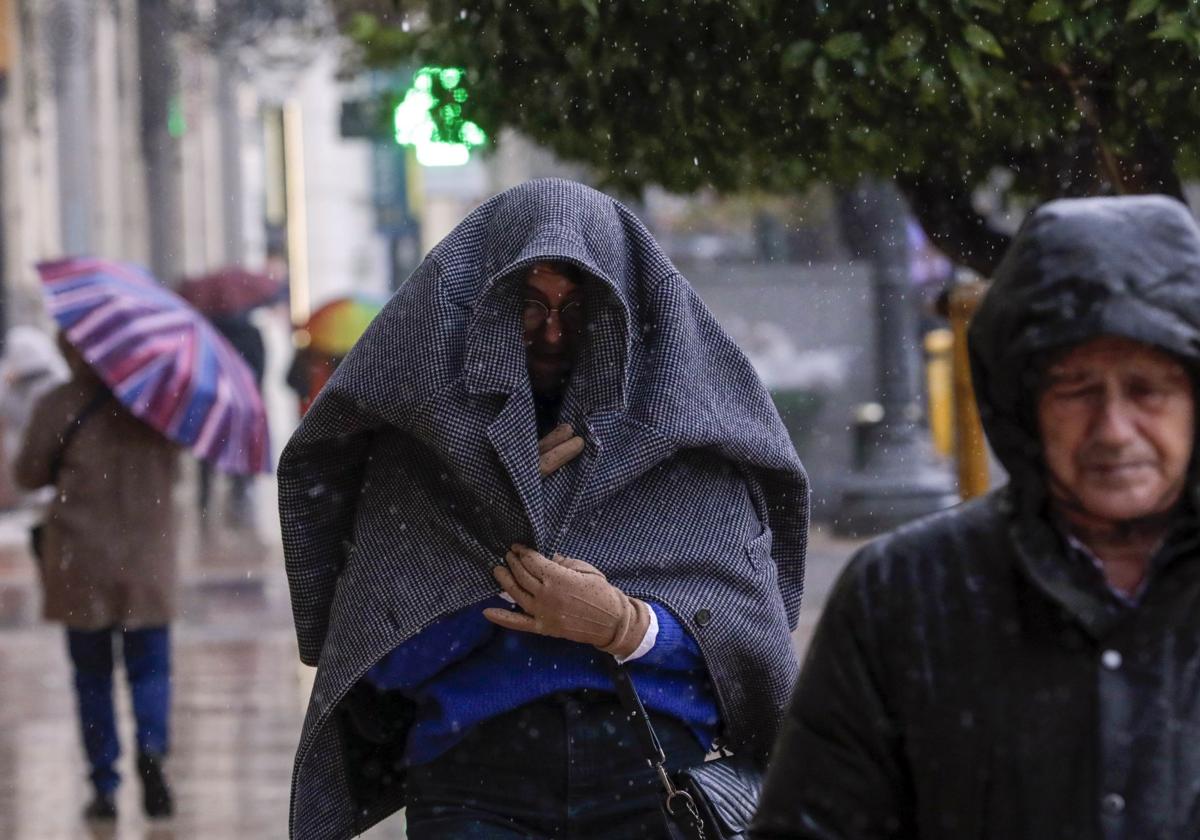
{"x":438,"y":646}
{"x":674,"y":649}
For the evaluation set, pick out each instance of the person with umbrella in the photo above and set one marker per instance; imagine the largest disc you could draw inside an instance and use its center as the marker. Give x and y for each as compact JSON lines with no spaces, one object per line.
{"x":147,"y":375}
{"x":325,"y":339}
{"x":228,"y":297}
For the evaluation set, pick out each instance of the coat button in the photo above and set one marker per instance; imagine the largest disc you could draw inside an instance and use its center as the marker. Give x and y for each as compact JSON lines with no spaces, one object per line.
{"x":1113,"y":804}
{"x":1111,"y":659}
{"x":702,"y":618}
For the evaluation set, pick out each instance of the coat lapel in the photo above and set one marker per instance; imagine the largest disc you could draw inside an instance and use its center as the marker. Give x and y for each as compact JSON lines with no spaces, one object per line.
{"x":513,"y":438}
{"x":621,"y":450}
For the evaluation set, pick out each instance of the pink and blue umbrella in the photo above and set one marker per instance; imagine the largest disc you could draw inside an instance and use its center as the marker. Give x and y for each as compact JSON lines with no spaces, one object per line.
{"x":161,"y":358}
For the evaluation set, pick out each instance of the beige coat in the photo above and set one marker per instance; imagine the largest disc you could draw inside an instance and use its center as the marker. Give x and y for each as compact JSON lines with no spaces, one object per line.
{"x":110,"y":537}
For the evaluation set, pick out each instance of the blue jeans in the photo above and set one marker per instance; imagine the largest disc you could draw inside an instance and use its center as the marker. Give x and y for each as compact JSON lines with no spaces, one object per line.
{"x":568,"y":766}
{"x":147,"y":656}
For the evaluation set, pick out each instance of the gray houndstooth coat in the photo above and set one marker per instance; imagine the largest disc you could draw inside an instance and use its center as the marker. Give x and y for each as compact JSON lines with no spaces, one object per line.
{"x":417,"y":466}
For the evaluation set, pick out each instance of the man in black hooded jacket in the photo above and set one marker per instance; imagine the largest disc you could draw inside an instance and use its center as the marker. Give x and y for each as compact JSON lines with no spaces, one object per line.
{"x":1028,"y":665}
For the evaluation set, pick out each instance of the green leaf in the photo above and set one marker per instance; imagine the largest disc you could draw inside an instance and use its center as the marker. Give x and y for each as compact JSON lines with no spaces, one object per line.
{"x":1044,"y":11}
{"x":797,"y":53}
{"x":966,"y":69}
{"x":1140,"y":8}
{"x":820,"y":71}
{"x":983,"y":40}
{"x":1173,"y":28}
{"x":590,"y":7}
{"x":843,"y":45}
{"x":905,"y":43}
{"x":994,"y":6}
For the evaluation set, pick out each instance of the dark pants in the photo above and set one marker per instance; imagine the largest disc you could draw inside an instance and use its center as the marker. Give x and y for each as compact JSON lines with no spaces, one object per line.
{"x":239,"y":505}
{"x":565,"y":767}
{"x":147,"y":656}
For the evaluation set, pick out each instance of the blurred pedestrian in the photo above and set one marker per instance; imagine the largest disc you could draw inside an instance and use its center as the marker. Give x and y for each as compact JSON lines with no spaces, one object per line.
{"x":245,"y":337}
{"x":31,"y":366}
{"x":1024,"y":666}
{"x":324,"y":340}
{"x":108,"y":568}
{"x":308,"y":373}
{"x":545,"y":412}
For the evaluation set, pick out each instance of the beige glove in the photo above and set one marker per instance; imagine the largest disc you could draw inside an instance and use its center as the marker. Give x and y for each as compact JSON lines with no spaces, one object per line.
{"x":558,"y":448}
{"x":569,"y":599}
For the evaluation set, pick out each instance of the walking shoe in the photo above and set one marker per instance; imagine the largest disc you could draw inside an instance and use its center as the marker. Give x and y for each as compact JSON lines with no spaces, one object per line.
{"x":156,"y":794}
{"x":102,"y":807}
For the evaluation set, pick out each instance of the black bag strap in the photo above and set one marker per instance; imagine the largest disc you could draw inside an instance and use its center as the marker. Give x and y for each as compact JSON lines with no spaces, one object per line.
{"x":678,"y":803}
{"x":98,"y":399}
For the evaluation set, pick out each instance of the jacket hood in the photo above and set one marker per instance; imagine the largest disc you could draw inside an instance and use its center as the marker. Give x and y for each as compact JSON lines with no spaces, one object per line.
{"x":542,"y":221}
{"x":1080,"y":268}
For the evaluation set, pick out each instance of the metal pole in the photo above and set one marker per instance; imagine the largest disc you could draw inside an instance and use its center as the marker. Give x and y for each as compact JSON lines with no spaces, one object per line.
{"x":297,"y":212}
{"x":159,"y":72}
{"x":229,"y":116}
{"x":4,"y":281}
{"x":70,"y":46}
{"x":974,"y":473}
{"x":899,"y":479}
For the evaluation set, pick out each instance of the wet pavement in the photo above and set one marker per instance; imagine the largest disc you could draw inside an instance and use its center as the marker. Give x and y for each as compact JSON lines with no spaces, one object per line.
{"x":239,"y":697}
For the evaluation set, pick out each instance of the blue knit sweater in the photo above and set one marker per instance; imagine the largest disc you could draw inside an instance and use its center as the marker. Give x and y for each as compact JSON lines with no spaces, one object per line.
{"x":463,"y":670}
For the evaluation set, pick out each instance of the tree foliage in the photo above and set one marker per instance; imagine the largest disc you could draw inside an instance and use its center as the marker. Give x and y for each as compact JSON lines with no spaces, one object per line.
{"x":1069,"y":97}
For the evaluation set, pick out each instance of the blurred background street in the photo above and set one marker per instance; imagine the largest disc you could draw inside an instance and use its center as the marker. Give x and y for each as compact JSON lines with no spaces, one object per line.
{"x":836,"y":182}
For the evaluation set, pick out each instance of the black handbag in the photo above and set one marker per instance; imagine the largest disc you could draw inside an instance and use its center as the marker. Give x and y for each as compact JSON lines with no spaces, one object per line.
{"x":37,"y":533}
{"x":714,"y":800}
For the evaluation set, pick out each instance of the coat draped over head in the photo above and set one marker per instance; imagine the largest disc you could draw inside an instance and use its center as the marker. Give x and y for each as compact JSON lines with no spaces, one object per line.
{"x":417,"y":466}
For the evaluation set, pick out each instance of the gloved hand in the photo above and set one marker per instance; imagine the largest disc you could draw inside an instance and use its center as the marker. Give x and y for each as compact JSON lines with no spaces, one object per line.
{"x":568,"y":599}
{"x":559,"y":447}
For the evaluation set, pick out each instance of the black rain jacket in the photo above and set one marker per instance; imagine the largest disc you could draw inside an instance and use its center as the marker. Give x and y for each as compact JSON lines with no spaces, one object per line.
{"x":969,"y":677}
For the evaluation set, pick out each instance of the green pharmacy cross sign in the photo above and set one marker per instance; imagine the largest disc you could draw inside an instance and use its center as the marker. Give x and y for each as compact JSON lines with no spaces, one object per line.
{"x":448,"y":139}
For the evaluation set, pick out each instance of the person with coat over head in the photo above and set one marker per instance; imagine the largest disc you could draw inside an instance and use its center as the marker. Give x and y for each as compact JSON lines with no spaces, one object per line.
{"x":1027,"y":665}
{"x":543,"y":452}
{"x":108,"y":568}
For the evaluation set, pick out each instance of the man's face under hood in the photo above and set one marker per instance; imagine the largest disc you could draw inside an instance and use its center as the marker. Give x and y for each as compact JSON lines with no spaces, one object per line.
{"x":553,"y":321}
{"x":1116,"y":419}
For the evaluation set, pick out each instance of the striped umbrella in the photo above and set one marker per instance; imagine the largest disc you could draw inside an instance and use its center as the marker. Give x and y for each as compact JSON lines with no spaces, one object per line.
{"x":161,"y":358}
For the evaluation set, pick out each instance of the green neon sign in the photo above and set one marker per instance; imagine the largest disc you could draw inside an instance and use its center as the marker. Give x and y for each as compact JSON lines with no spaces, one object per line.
{"x":448,"y":139}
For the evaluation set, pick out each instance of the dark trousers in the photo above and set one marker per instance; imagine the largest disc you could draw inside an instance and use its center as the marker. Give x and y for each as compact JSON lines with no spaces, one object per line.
{"x":565,"y":767}
{"x":147,"y":656}
{"x":239,"y":504}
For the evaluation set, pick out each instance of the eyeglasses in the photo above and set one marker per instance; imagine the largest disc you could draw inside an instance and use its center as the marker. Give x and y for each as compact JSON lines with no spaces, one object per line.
{"x":570,"y":315}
